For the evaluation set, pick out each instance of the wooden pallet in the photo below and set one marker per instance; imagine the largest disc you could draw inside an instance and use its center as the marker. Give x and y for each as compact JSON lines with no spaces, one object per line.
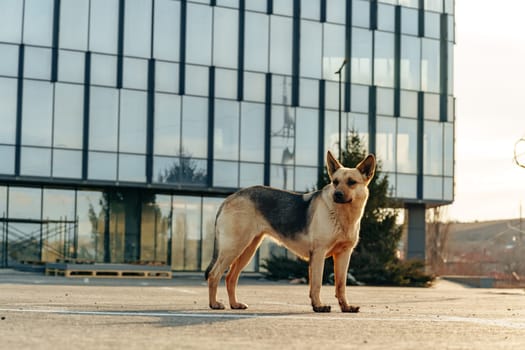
{"x":107,"y":270}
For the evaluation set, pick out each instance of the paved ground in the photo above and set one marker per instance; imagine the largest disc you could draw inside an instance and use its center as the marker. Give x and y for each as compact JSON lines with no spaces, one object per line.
{"x":38,"y":312}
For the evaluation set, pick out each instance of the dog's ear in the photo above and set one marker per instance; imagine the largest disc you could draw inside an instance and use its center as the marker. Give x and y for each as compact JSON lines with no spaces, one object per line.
{"x":367,"y":167}
{"x":332,"y":164}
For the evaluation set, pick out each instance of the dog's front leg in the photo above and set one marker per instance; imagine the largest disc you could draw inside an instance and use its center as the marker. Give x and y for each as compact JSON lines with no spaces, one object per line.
{"x":316,"y":268}
{"x":341,"y":263}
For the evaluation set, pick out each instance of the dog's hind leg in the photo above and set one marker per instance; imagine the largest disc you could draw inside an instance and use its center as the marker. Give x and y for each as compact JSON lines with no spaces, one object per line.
{"x":341,"y":263}
{"x":316,"y":268}
{"x":232,"y":277}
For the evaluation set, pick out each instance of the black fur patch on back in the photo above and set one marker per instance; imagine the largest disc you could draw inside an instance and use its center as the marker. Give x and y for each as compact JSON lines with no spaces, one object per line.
{"x":286,"y":212}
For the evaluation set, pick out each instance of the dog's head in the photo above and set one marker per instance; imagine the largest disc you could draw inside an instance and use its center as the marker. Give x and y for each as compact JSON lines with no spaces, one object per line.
{"x":350,"y":184}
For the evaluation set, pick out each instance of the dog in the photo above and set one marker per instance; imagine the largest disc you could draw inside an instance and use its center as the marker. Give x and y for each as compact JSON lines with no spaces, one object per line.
{"x":314,"y":226}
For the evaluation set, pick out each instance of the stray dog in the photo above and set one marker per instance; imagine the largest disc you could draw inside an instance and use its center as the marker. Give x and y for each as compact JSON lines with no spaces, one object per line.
{"x":314,"y":226}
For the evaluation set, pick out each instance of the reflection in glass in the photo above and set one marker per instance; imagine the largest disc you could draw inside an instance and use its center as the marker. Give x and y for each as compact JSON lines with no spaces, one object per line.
{"x":103,"y":35}
{"x":225,"y":174}
{"x":225,"y":83}
{"x":7,"y":154}
{"x":135,"y":73}
{"x":385,"y":101}
{"x":359,"y":99}
{"x":407,"y":145}
{"x":37,"y":63}
{"x":209,"y":212}
{"x":448,"y":188}
{"x":431,"y":106}
{"x":252,"y":132}
{"x":409,"y":21}
{"x":8,"y":88}
{"x":282,"y":89}
{"x":9,"y":54}
{"x":251,"y":174}
{"x":226,"y":134}
{"x":309,"y":93}
{"x":430,"y":65}
{"x":432,"y":25}
{"x":408,"y":104}
{"x":67,"y":163}
{"x":102,"y":166}
{"x":11,"y":20}
{"x":103,"y":70}
{"x":195,"y":126}
{"x":37,"y":113}
{"x":254,"y":87}
{"x":282,"y":176}
{"x":166,"y":77}
{"x":137,"y":28}
{"x":38,"y":22}
{"x":91,"y":215}
{"x":384,"y":59}
{"x":68,"y":122}
{"x":166,"y":40}
{"x":256,"y":41}
{"x":311,"y":9}
{"x":386,"y":142}
{"x":333,"y":50}
{"x":360,"y":13}
{"x":131,"y":168}
{"x":24,"y":202}
{"x":198,"y":34}
{"x":73,"y":32}
{"x":385,"y":17}
{"x":410,"y":62}
{"x":433,"y":148}
{"x":186,"y":241}
{"x":305,"y":178}
{"x":197,"y":78}
{"x":448,"y":152}
{"x":133,"y":108}
{"x":103,"y":117}
{"x":406,"y":186}
{"x":167,"y":124}
{"x":432,"y":187}
{"x":281,"y":45}
{"x":155,"y":228}
{"x":306,"y":137}
{"x":181,"y":170}
{"x":225,"y":33}
{"x":335,"y":11}
{"x":311,"y":46}
{"x":71,"y":66}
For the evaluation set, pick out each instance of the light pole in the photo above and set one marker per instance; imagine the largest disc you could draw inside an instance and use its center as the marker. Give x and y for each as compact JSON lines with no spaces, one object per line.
{"x":339,"y":73}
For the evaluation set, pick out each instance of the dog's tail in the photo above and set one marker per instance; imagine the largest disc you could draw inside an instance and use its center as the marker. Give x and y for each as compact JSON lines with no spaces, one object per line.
{"x":215,"y":246}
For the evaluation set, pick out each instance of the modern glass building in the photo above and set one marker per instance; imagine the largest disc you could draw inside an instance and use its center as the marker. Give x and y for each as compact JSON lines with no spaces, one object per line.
{"x":124,"y":123}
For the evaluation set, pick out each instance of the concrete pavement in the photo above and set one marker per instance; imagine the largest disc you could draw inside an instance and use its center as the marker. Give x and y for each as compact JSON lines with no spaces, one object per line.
{"x":39,"y":312}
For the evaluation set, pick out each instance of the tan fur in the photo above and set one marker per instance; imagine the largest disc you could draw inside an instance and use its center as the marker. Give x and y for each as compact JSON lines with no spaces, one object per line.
{"x":333,"y":230}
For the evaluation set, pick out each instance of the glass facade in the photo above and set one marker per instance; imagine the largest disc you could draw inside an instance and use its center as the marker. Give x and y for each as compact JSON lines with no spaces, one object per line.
{"x":125,"y":122}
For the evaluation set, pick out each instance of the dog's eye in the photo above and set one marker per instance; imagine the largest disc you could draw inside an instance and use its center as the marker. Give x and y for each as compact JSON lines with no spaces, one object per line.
{"x":335,"y":182}
{"x":350,"y":182}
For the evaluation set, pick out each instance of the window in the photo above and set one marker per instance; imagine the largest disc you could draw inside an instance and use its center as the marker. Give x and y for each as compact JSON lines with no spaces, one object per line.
{"x":37,"y":63}
{"x":166,"y":31}
{"x":35,"y":161}
{"x":252,"y":132}
{"x":131,"y":168}
{"x":166,"y":76}
{"x":254,"y":87}
{"x":74,"y":24}
{"x":280,"y":45}
{"x":37,"y":113}
{"x":103,"y":119}
{"x":256,"y":42}
{"x":361,"y":56}
{"x":384,"y":59}
{"x":385,"y":101}
{"x":135,"y":73}
{"x":410,"y":62}
{"x":430,"y":77}
{"x":103,"y":70}
{"x":137,"y":28}
{"x":67,"y":163}
{"x":226,"y":139}
{"x":197,"y":78}
{"x":360,"y":13}
{"x":409,"y":21}
{"x":38,"y":22}
{"x":359,"y":99}
{"x":433,"y":148}
{"x":198,"y":34}
{"x":9,"y":54}
{"x":11,"y":20}
{"x":132,"y":135}
{"x":311,"y":46}
{"x":68,"y":122}
{"x":386,"y":17}
{"x":386,"y":143}
{"x":336,"y":11}
{"x":407,"y":146}
{"x":167,"y":124}
{"x":306,"y":137}
{"x":333,"y":50}
{"x":71,"y":66}
{"x":194,"y":127}
{"x":103,"y":26}
{"x":102,"y":166}
{"x":225,"y":37}
{"x":8,"y":101}
{"x":225,"y":83}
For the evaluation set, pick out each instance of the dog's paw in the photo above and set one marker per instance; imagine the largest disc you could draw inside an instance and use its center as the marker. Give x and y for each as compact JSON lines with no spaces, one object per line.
{"x":321,"y":308}
{"x":217,"y":306}
{"x":239,"y":306}
{"x":350,"y":308}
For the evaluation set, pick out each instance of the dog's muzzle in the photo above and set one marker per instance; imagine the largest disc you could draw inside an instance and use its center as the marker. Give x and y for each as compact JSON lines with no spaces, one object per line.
{"x":339,"y":197}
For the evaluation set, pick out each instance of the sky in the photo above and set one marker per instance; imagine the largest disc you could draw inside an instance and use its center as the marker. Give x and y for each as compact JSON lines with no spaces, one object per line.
{"x":489,"y":85}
